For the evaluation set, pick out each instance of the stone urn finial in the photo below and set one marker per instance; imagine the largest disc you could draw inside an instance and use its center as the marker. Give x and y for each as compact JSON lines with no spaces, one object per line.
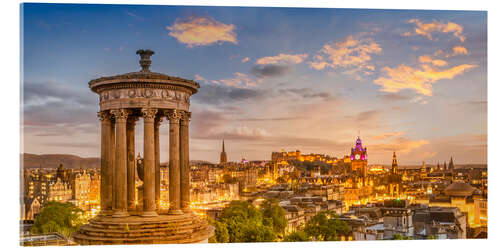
{"x":145,"y":61}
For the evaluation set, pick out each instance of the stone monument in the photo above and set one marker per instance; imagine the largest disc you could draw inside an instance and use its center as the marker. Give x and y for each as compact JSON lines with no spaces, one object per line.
{"x":123,"y":100}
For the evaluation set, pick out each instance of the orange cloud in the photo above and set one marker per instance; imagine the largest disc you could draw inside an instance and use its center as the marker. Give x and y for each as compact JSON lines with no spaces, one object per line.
{"x":401,"y":144}
{"x":459,"y":50}
{"x":429,"y":59}
{"x":246,"y":59}
{"x":349,"y":53}
{"x":282,"y":59}
{"x":426,"y":29}
{"x":418,"y":79}
{"x":239,"y":80}
{"x":384,"y":136}
{"x":202,"y":31}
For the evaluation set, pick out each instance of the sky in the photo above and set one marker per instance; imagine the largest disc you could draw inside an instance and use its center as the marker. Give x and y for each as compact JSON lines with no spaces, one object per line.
{"x":272,"y":79}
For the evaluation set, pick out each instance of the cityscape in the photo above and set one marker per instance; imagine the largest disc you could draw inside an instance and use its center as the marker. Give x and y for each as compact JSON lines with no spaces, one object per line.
{"x":348,"y":141}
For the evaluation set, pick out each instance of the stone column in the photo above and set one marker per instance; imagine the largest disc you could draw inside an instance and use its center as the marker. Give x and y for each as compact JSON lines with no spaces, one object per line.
{"x":120,"y":177}
{"x":184,"y":160}
{"x":111,"y":157}
{"x":149,"y":207}
{"x":174,"y":164}
{"x":158,"y":120}
{"x":106,"y":168}
{"x":131,"y":162}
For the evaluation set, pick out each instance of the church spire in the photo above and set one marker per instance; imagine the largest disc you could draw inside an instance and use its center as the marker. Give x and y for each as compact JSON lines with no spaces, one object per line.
{"x":223,"y":155}
{"x":451,"y":165}
{"x":394,"y":163}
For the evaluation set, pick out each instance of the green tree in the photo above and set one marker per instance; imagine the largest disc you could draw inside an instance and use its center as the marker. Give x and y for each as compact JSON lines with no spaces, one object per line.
{"x":274,"y":216}
{"x":401,"y":237}
{"x":64,"y":218}
{"x":242,"y":222}
{"x":325,"y":226}
{"x":296,"y":236}
{"x":221,"y":233}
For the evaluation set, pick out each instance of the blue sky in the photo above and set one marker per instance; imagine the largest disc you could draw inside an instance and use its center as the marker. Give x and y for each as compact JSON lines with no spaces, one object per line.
{"x":271,"y":78}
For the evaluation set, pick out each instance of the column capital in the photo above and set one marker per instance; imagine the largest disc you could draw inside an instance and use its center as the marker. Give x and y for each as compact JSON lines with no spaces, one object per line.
{"x":104,"y":116}
{"x":158,"y":120}
{"x":149,"y":114}
{"x":132,"y":119}
{"x":185,"y":117}
{"x":120,"y":115}
{"x":173,"y":116}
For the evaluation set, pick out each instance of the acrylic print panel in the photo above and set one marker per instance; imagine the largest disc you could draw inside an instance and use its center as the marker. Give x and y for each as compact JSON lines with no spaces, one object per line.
{"x":155,"y":124}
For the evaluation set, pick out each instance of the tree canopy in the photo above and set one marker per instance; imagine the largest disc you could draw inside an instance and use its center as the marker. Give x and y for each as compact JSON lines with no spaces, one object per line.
{"x":243,"y":222}
{"x":401,"y":237}
{"x":64,"y":218}
{"x":274,"y":216}
{"x":296,"y":236}
{"x":325,"y":226}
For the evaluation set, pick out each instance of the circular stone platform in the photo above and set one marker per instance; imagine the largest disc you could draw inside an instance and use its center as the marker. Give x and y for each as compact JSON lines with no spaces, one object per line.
{"x":163,"y":229}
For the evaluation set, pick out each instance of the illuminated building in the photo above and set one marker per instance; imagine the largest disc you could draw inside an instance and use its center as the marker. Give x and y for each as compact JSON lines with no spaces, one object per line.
{"x":481,"y":212}
{"x":464,"y":197}
{"x":439,"y":222}
{"x":398,"y":218}
{"x":359,"y":158}
{"x":95,"y":189}
{"x":223,"y":155}
{"x":285,"y":156}
{"x":59,"y":191}
{"x":30,"y":208}
{"x":82,"y":190}
{"x":394,"y":179}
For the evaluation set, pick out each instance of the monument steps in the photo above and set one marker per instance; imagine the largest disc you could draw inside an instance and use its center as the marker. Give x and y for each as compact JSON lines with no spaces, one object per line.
{"x":187,"y":228}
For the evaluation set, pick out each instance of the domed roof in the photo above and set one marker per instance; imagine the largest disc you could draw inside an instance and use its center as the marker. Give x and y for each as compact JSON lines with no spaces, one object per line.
{"x":459,"y":189}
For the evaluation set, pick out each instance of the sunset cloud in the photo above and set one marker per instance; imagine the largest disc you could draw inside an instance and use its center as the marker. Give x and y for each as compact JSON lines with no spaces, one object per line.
{"x":202,"y":31}
{"x":282,"y":59}
{"x":401,"y":144}
{"x":426,"y":29}
{"x":384,"y":136}
{"x":351,"y":53}
{"x":418,"y":79}
{"x":239,"y":80}
{"x":430,"y":60}
{"x":459,"y":50}
{"x":246,"y":59}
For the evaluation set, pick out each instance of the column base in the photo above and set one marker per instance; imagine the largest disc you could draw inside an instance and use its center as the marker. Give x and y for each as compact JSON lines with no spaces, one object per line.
{"x":149,"y":214}
{"x":134,"y":212}
{"x":105,"y":213}
{"x":119,"y":214}
{"x":176,"y":211}
{"x":186,"y":210}
{"x":131,"y":208}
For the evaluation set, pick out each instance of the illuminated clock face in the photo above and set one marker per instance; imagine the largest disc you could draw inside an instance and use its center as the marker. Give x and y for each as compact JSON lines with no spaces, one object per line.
{"x":357,"y":157}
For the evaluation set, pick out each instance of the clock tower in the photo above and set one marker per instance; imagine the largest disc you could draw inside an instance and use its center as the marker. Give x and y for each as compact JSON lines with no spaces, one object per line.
{"x":359,"y":158}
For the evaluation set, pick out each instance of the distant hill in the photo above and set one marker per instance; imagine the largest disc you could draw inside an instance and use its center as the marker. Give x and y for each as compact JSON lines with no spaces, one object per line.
{"x":457,"y":166}
{"x":70,"y":161}
{"x":53,"y":161}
